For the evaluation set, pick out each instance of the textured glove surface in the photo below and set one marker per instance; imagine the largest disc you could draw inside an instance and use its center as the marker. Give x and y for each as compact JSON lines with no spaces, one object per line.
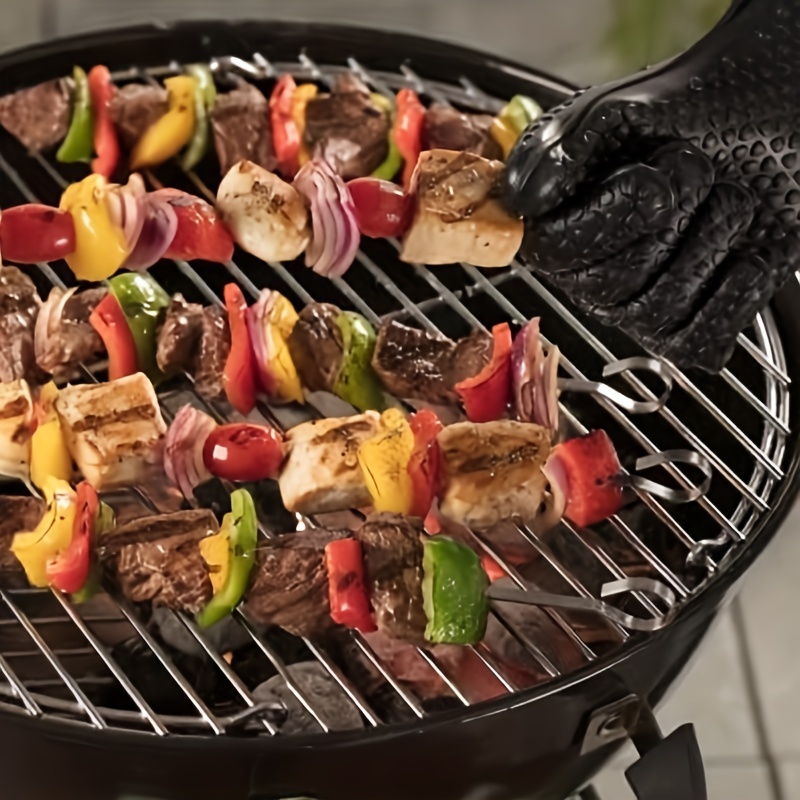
{"x":668,"y":203}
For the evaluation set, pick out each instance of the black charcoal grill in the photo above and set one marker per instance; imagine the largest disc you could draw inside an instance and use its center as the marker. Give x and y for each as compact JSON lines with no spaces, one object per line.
{"x":95,"y":704}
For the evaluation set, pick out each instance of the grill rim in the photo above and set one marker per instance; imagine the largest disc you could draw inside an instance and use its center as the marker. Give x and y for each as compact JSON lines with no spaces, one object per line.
{"x":719,"y":585}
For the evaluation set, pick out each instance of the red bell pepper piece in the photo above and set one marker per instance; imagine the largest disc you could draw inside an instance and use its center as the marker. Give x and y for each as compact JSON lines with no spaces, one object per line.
{"x":592,"y":468}
{"x":106,"y":144}
{"x":485,"y":395}
{"x":285,"y":135}
{"x":109,"y":320}
{"x":347,"y":590}
{"x":425,"y":464}
{"x":407,"y":131}
{"x":239,"y":377}
{"x":69,"y":570}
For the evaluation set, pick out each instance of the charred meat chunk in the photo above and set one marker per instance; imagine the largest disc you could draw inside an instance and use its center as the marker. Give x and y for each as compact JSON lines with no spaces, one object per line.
{"x":212,"y":353}
{"x":316,"y":346}
{"x":19,"y":307}
{"x":493,"y":471}
{"x":321,"y":472}
{"x":458,"y":216}
{"x":393,"y":563}
{"x":39,"y":117}
{"x":289,"y":583}
{"x":242,"y":131}
{"x":179,"y":335}
{"x":16,"y":514}
{"x":65,"y":338}
{"x":420,"y":365}
{"x":135,"y":108}
{"x":348,"y":129}
{"x":447,"y":128}
{"x":157,"y":560}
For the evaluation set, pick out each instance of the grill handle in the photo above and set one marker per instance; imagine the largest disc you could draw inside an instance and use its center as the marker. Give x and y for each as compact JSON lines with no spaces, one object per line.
{"x":668,"y":767}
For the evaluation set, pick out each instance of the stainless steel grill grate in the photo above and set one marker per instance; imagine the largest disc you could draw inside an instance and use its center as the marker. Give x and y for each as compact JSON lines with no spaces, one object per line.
{"x":61,"y":660}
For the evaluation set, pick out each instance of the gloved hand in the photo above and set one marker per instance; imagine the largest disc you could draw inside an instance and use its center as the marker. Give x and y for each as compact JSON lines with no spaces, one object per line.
{"x":667,"y":203}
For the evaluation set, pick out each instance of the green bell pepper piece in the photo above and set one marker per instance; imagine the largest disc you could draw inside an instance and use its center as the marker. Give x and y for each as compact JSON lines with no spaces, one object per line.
{"x":142,"y":301}
{"x":454,"y":596}
{"x":520,"y":112}
{"x":104,"y":522}
{"x":204,"y":98}
{"x":78,"y":145}
{"x":394,"y":160}
{"x":242,"y":527}
{"x":356,"y":382}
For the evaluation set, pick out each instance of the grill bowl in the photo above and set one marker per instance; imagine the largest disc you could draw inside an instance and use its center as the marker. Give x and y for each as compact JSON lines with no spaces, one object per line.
{"x":525,"y":743}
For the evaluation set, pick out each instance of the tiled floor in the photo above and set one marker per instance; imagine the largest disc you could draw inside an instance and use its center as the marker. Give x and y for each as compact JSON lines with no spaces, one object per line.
{"x":743,"y":694}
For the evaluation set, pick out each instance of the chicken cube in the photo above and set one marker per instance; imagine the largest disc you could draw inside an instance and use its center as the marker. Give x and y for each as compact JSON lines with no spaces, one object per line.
{"x":457,"y":218}
{"x":321,"y":472}
{"x":113,"y":430}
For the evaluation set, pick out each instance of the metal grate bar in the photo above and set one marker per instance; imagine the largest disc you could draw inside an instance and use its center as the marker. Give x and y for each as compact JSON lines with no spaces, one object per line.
{"x":112,"y":665}
{"x":83,"y":701}
{"x":19,"y":689}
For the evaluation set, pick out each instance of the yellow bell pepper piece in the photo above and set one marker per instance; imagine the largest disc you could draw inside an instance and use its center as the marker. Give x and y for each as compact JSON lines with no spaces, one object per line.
{"x":217,"y":554}
{"x":49,"y":454}
{"x":384,"y":461}
{"x":167,"y":136}
{"x":52,"y":535}
{"x":302,"y":94}
{"x":278,"y":327}
{"x":503,"y":134}
{"x":100,"y":246}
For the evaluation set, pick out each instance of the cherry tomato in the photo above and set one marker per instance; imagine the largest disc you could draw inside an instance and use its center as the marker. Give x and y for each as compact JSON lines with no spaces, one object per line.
{"x":243,"y":452}
{"x":201,"y":234}
{"x":383,"y":209}
{"x":33,"y":233}
{"x":591,"y":466}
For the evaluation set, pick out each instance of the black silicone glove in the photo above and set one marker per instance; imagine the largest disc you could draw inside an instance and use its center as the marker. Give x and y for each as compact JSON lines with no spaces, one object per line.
{"x":667,"y":203}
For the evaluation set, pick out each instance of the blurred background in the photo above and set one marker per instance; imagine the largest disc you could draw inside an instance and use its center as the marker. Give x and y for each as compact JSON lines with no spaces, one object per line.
{"x":585,"y":41}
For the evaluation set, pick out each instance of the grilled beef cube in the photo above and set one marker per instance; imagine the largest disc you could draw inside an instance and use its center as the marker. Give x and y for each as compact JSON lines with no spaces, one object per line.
{"x":316,"y":346}
{"x":347,"y":129}
{"x":19,"y":307}
{"x":471,"y":355}
{"x":135,"y":108}
{"x":16,"y":514}
{"x":113,"y":430}
{"x":179,"y":335}
{"x":458,"y":217}
{"x":157,"y":560}
{"x":212,"y":353}
{"x":39,"y":117}
{"x":393,"y":563}
{"x":492,"y":471}
{"x":420,"y":365}
{"x":289,"y":583}
{"x":446,"y":128}
{"x":321,"y":472}
{"x":68,"y":340}
{"x":242,"y":131}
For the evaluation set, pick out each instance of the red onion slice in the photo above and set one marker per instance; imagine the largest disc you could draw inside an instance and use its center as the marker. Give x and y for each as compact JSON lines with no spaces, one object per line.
{"x":556,"y":503}
{"x":126,"y":207}
{"x":160,"y":222}
{"x":183,"y":450}
{"x":175,"y":197}
{"x":256,"y":317}
{"x":46,"y":329}
{"x":534,"y":378}
{"x":335,"y":235}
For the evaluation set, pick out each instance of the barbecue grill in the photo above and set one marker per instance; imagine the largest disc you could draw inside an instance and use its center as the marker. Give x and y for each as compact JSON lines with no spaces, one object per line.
{"x":88,"y":705}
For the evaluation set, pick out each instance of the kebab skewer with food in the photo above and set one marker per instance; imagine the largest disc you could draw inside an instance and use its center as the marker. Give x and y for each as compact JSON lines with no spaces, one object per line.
{"x":141,"y":125}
